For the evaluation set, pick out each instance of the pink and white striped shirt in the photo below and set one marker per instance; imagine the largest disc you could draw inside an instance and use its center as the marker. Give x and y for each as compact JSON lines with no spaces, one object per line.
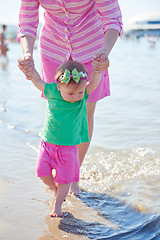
{"x":71,"y":28}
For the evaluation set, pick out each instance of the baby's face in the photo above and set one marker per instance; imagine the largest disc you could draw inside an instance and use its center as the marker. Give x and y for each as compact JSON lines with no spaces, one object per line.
{"x":72,"y":93}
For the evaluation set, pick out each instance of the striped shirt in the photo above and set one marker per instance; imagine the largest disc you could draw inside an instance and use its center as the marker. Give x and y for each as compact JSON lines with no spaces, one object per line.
{"x":71,"y":28}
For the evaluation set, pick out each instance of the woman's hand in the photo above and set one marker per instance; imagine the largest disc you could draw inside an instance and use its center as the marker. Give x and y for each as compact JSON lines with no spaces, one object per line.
{"x":100,"y":61}
{"x":26,"y":65}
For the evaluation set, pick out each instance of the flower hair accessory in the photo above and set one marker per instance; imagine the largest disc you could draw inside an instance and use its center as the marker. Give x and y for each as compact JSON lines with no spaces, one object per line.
{"x":65,"y":78}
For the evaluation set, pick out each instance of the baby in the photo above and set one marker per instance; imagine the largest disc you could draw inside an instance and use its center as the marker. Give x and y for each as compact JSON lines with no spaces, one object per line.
{"x":65,"y":126}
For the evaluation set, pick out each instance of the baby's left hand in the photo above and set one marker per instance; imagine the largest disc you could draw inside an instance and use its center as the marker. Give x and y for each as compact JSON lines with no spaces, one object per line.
{"x":100,"y":56}
{"x":100,"y":62}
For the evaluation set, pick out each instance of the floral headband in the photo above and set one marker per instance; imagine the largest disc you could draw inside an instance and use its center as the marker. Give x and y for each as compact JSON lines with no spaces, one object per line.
{"x":74,"y":74}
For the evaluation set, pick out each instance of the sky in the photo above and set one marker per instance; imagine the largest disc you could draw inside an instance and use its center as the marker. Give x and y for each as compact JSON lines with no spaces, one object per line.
{"x":9,"y":9}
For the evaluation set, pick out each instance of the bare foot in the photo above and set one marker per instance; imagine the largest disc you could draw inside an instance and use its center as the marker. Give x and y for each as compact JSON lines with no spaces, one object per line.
{"x":56,"y":212}
{"x":74,"y":189}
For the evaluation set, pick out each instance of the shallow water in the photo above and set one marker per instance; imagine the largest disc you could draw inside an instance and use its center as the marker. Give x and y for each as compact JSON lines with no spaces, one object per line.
{"x":120,"y":177}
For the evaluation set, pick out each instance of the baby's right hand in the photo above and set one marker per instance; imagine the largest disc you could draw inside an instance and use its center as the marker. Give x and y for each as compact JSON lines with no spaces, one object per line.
{"x":26,"y":65}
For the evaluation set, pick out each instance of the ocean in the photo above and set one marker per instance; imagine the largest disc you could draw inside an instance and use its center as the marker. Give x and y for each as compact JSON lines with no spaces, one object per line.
{"x":120,"y":176}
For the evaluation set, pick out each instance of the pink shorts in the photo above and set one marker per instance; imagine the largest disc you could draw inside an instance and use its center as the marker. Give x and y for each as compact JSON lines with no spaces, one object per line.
{"x":64,"y":159}
{"x":49,"y":71}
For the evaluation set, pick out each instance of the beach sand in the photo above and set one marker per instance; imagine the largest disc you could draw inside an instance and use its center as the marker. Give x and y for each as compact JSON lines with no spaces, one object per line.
{"x":24,"y":217}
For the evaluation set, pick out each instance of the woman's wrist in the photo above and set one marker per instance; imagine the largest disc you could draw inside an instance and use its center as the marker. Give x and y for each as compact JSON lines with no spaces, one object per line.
{"x":105,"y":51}
{"x":27,"y":53}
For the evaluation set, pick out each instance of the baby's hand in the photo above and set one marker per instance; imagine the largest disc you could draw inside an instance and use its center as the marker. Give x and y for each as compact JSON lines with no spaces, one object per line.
{"x":26,"y":65}
{"x":100,"y":62}
{"x":101,"y":56}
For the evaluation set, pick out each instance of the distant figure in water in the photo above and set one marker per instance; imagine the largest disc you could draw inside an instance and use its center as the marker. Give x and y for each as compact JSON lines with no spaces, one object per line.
{"x":3,"y":46}
{"x":152,"y":42}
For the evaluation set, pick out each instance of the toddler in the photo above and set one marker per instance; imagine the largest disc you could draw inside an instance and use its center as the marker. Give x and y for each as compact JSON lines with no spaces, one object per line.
{"x":65,"y":126}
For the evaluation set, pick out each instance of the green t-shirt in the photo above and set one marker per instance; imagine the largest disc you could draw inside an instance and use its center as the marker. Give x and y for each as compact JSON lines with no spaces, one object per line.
{"x":66,"y":122}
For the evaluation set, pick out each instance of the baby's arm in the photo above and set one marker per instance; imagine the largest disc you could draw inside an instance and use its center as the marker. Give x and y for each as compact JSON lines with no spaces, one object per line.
{"x":98,"y":68}
{"x":95,"y":79}
{"x":37,"y":81}
{"x":34,"y":77}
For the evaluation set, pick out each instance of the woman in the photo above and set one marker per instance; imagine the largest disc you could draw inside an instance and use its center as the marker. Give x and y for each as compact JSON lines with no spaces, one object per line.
{"x":78,"y":30}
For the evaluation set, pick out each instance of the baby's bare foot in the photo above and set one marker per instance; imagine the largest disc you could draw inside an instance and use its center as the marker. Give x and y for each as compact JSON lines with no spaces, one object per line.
{"x":56,"y":212}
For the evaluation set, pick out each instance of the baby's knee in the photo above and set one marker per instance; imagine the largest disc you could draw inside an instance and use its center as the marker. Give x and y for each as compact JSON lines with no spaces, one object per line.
{"x":42,"y":178}
{"x":45,"y":179}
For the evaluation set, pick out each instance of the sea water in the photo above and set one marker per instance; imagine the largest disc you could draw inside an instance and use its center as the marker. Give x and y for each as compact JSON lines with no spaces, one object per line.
{"x":120,"y":176}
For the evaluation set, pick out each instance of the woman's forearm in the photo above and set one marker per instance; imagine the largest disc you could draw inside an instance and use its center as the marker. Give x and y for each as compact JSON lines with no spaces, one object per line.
{"x":27,"y":43}
{"x":110,"y":38}
{"x":26,"y":64}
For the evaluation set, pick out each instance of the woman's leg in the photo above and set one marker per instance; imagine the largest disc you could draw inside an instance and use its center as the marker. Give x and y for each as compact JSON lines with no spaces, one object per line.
{"x":62,"y":191}
{"x":83,"y":147}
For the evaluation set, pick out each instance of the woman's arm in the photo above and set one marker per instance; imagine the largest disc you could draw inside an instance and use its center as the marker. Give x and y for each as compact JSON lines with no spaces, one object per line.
{"x":111,"y":18}
{"x":27,"y":43}
{"x":110,"y":38}
{"x":110,"y":15}
{"x":28,"y":24}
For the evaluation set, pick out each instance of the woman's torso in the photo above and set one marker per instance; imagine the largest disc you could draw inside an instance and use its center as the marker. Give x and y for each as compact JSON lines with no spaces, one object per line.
{"x":71,"y":28}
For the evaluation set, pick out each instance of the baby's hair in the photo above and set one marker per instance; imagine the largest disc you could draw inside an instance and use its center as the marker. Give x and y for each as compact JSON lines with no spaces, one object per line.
{"x":70,"y":65}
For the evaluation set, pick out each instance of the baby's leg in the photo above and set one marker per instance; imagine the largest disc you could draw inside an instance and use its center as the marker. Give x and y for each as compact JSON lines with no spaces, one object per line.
{"x":62,"y":191}
{"x":49,"y":181}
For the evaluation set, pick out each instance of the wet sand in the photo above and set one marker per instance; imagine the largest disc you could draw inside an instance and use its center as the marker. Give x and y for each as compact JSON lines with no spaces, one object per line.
{"x":23,"y":216}
{"x":25,"y":207}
